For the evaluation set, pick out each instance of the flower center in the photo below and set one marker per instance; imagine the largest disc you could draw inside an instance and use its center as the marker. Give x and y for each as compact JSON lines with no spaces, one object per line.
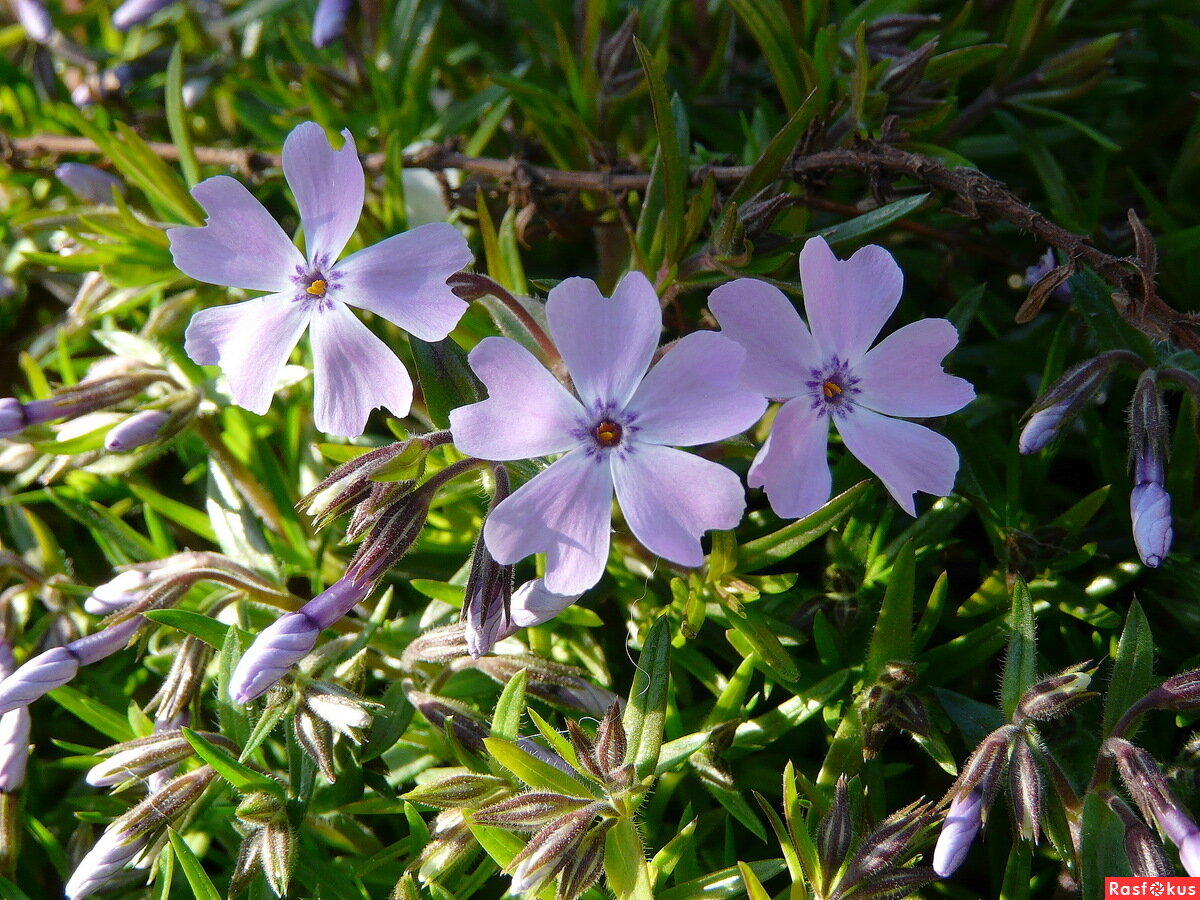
{"x":608,"y":434}
{"x":317,"y":288}
{"x":316,"y":283}
{"x":833,"y":388}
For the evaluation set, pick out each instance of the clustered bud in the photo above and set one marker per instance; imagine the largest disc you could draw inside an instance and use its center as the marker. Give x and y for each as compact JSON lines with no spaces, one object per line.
{"x":1149,"y":503}
{"x":1065,"y":399}
{"x":1153,"y":795}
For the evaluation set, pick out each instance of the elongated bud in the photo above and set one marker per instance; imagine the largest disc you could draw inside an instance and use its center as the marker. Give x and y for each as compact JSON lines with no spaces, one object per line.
{"x":14,"y":733}
{"x":835,"y":831}
{"x":899,"y":28}
{"x":103,"y":862}
{"x":117,"y":593}
{"x":392,"y":535}
{"x":316,"y":739}
{"x":277,"y":855}
{"x":897,"y":885}
{"x":1026,"y":790}
{"x":468,"y":728}
{"x":142,"y":756}
{"x":329,"y":21}
{"x":962,"y":824}
{"x":438,"y":645}
{"x":1149,"y":503}
{"x":456,"y":791}
{"x":1150,"y":790}
{"x":136,"y":431}
{"x":487,"y":603}
{"x":527,"y":812}
{"x":551,"y":849}
{"x":983,"y":769}
{"x":34,"y":19}
{"x":1145,"y":852}
{"x":88,"y":183}
{"x":611,"y":741}
{"x":342,"y":710}
{"x":906,"y":72}
{"x":888,"y":846}
{"x":451,"y":844}
{"x":585,"y":864}
{"x":291,"y":637}
{"x":352,"y":481}
{"x":54,"y":668}
{"x":1063,"y":401}
{"x":135,"y":12}
{"x":1053,"y":697}
{"x":1150,"y":515}
{"x":181,"y":683}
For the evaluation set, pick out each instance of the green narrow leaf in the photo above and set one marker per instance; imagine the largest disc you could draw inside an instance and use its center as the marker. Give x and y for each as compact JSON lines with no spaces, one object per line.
{"x":876,"y":219}
{"x":646,"y":709}
{"x":206,"y":628}
{"x":1102,"y":837}
{"x":245,"y":779}
{"x":1133,"y":667}
{"x":1020,"y":665}
{"x":179,"y":513}
{"x":177,"y":118}
{"x":105,"y":720}
{"x":674,"y":165}
{"x":772,"y":548}
{"x":778,"y":151}
{"x":506,"y":721}
{"x":754,"y":888}
{"x":193,"y":870}
{"x":531,"y":770}
{"x":763,"y":19}
{"x":625,"y":863}
{"x":761,"y":639}
{"x":892,"y":640}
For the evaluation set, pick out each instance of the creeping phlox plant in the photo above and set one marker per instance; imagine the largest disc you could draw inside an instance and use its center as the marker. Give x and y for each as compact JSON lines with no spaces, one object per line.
{"x":624,"y":575}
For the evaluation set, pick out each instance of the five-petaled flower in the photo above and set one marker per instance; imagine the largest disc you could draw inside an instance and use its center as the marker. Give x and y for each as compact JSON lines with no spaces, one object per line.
{"x":402,"y":279}
{"x":833,"y":374}
{"x":619,"y":435}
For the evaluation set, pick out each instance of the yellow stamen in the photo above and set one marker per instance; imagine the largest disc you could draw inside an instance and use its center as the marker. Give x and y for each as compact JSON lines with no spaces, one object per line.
{"x":831,"y":390}
{"x":608,"y":433}
{"x":317,"y":288}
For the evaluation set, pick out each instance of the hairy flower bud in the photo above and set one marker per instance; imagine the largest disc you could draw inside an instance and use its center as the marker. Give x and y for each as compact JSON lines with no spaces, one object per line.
{"x":352,"y":481}
{"x":962,"y":824}
{"x":1150,"y":790}
{"x":1026,"y":791}
{"x":1145,"y":852}
{"x":983,"y":769}
{"x":1063,"y":401}
{"x":329,"y":21}
{"x":835,"y":831}
{"x":468,"y":728}
{"x":1056,"y":696}
{"x":438,"y":645}
{"x":456,"y":791}
{"x":551,"y":849}
{"x":140,"y":757}
{"x":181,"y":683}
{"x":553,"y":682}
{"x":889,"y":846}
{"x":451,"y":844}
{"x":342,"y":710}
{"x":487,"y":601}
{"x":527,"y":812}
{"x":1149,"y":503}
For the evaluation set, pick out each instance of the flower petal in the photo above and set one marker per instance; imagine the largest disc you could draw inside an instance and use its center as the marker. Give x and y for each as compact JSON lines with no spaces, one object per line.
{"x":692,"y":395}
{"x":329,"y":186}
{"x":532,"y":604}
{"x":403,"y":279}
{"x":671,"y":497}
{"x":240,"y":246}
{"x":907,"y":457}
{"x":606,"y":343}
{"x":250,"y":341}
{"x":780,"y":353}
{"x":353,"y":372}
{"x":902,"y":375}
{"x":848,"y":301}
{"x":792,"y":465}
{"x":527,"y":413}
{"x":564,"y":512}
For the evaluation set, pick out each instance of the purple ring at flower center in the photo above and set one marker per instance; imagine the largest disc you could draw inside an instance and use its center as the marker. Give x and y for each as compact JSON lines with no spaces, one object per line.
{"x":833,"y":388}
{"x":608,"y":434}
{"x":316,"y":283}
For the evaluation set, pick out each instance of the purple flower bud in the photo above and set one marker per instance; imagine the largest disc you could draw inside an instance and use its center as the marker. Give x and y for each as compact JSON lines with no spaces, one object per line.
{"x":1064,"y":399}
{"x":1042,"y":427}
{"x":138,"y":430}
{"x":1189,"y":854}
{"x":117,"y":593}
{"x":12,"y":417}
{"x":108,"y":857}
{"x":89,"y":183}
{"x":14,"y":732}
{"x":488,"y":600}
{"x":328,"y":607}
{"x":34,"y":19}
{"x":54,"y":668}
{"x":1150,"y":512}
{"x":276,"y":649}
{"x":963,"y":821}
{"x":135,"y":12}
{"x":329,"y":21}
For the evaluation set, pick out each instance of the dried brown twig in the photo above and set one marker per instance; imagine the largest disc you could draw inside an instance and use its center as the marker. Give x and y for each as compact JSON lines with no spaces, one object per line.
{"x":975,"y":195}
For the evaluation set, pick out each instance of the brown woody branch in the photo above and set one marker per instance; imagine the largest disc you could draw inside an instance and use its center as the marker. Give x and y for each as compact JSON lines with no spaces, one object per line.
{"x":976,"y":195}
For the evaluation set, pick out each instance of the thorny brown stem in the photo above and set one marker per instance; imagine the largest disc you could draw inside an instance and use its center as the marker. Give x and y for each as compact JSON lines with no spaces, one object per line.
{"x":976,"y":194}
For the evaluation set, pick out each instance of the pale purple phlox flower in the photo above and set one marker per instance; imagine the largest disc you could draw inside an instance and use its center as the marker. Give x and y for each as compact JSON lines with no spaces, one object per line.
{"x":962,"y":824}
{"x":833,"y":374}
{"x":402,"y":279}
{"x":617,"y":435}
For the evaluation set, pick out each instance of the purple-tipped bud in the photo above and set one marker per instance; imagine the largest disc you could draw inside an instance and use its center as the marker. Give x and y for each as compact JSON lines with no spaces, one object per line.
{"x":1189,"y":854}
{"x":962,"y":824}
{"x":1150,"y":790}
{"x":104,"y":861}
{"x":1145,"y":852}
{"x":89,"y":183}
{"x":329,"y":21}
{"x":835,"y":831}
{"x":136,"y":431}
{"x":54,"y":668}
{"x":34,"y":19}
{"x":1056,"y":696}
{"x":291,"y":638}
{"x":487,"y":603}
{"x":14,"y":732}
{"x":277,"y":648}
{"x":117,"y":593}
{"x":12,"y":417}
{"x":135,"y":12}
{"x":1026,"y":790}
{"x":1150,"y":512}
{"x":550,"y":849}
{"x":141,"y":757}
{"x":1065,"y":398}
